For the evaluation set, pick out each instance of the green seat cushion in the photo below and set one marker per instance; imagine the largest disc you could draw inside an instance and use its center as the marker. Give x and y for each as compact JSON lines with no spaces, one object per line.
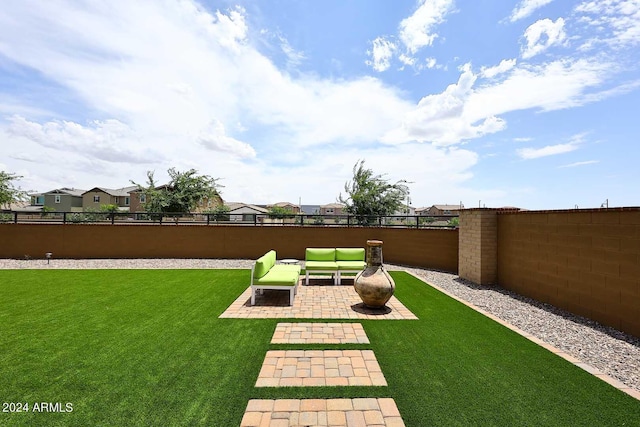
{"x":278,"y":277}
{"x":320,"y":254}
{"x":287,"y":267}
{"x":321,"y":265}
{"x":264,"y":264}
{"x":349,"y":254}
{"x":351,"y":265}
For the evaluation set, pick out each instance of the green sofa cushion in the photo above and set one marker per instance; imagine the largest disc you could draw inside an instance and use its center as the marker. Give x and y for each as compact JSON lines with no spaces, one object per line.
{"x":351,"y":265}
{"x":320,"y":254}
{"x":288,"y":267}
{"x":320,"y":265}
{"x":264,"y":264}
{"x":278,"y":277}
{"x":349,"y":254}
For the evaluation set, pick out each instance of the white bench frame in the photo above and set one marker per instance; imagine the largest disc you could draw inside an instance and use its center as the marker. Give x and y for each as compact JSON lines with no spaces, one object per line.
{"x":293,"y":290}
{"x":334,"y":273}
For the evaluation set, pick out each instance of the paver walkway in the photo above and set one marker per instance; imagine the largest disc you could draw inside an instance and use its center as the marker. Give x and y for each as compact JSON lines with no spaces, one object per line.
{"x":319,"y":333}
{"x":319,"y":412}
{"x":317,"y":368}
{"x":314,"y":302}
{"x":309,"y":368}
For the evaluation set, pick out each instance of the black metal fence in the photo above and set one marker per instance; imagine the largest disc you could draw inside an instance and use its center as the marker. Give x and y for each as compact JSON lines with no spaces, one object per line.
{"x":251,"y":219}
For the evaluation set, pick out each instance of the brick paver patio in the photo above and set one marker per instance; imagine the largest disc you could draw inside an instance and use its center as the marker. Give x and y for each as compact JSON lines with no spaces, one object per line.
{"x":308,"y":368}
{"x":314,"y":302}
{"x":319,"y":333}
{"x":381,"y":412}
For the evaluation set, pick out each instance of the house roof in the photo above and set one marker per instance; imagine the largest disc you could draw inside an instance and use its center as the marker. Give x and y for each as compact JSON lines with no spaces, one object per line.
{"x":70,"y":191}
{"x":119,"y":192}
{"x":284,"y":204}
{"x":333,"y":205}
{"x":239,"y":205}
{"x":447,"y":207}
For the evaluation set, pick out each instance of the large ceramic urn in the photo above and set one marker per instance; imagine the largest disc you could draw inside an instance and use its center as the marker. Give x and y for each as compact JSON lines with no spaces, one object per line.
{"x":374,"y":285}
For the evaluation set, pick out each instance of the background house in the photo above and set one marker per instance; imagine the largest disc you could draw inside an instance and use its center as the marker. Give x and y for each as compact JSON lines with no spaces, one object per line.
{"x":60,"y":200}
{"x":402,"y":212}
{"x":332,"y":209}
{"x":97,"y":197}
{"x":246,"y":212}
{"x":439,"y":210}
{"x":286,"y":205}
{"x":64,"y":199}
{"x":310,"y":209}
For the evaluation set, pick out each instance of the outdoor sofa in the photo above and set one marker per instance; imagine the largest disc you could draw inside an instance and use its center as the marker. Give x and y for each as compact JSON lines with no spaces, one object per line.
{"x":334,"y":261}
{"x":266,"y":274}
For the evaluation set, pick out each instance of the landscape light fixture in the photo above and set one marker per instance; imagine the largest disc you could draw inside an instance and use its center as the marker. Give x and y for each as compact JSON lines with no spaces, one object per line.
{"x":48,"y":257}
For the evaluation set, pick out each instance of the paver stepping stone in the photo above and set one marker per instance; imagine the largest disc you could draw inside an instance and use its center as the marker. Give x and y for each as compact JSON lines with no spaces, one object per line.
{"x":308,"y":368}
{"x":319,"y":333}
{"x":381,"y":412}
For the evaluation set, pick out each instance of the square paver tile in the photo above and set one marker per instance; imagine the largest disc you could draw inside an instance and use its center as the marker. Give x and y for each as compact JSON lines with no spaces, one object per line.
{"x":296,"y":371}
{"x":325,"y":412}
{"x":319,"y":333}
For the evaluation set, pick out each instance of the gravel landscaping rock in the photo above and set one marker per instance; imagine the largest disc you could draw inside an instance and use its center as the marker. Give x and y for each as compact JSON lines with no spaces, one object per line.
{"x":613,"y":352}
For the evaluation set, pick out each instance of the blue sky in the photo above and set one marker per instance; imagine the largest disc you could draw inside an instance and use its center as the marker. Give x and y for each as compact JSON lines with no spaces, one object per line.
{"x":529,"y":103}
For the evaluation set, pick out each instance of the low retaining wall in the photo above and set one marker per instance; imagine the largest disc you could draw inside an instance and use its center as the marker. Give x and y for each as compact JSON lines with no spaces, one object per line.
{"x":437,"y":249}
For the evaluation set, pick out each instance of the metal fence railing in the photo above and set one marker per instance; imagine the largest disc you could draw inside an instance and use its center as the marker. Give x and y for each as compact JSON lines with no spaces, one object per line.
{"x":249,"y":219}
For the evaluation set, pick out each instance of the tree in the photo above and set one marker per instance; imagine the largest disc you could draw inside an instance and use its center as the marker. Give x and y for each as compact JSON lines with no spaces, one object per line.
{"x":9,"y":193}
{"x":219,"y":213}
{"x":280,"y":212}
{"x":370,"y":195}
{"x":182,"y":194}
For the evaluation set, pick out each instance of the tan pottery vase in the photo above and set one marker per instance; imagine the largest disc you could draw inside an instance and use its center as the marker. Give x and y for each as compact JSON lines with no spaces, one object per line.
{"x":374,"y":285}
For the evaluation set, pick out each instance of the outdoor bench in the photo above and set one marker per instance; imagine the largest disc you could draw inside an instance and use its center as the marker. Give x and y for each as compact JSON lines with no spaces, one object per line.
{"x":265,"y":274}
{"x":334,"y":261}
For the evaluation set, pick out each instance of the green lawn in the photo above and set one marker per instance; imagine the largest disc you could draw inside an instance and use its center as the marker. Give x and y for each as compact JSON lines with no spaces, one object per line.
{"x":146,"y":347}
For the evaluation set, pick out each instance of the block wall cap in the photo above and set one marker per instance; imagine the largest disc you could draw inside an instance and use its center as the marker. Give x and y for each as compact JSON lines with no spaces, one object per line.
{"x":599,"y":210}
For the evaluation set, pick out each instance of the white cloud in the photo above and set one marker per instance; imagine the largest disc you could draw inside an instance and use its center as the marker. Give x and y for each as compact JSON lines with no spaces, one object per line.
{"x":551,"y":86}
{"x":414,"y":33}
{"x":406,"y":59}
{"x":440,"y":118}
{"x":431,"y":63}
{"x":463,"y":111}
{"x":526,"y":8}
{"x":549,"y":150}
{"x":576,"y":164}
{"x":214,"y":137}
{"x":108,"y":140}
{"x":504,"y":66}
{"x":542,"y":35}
{"x":615,"y":22}
{"x":381,"y":54}
{"x":294,"y":57}
{"x":417,"y":31}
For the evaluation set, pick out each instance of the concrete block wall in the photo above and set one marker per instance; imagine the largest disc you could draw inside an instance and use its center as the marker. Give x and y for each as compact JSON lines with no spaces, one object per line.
{"x":430,"y":248}
{"x":584,"y":261}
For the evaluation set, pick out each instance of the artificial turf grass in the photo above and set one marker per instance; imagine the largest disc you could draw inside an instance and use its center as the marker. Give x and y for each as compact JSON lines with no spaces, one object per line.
{"x":146,"y":347}
{"x":128,"y":347}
